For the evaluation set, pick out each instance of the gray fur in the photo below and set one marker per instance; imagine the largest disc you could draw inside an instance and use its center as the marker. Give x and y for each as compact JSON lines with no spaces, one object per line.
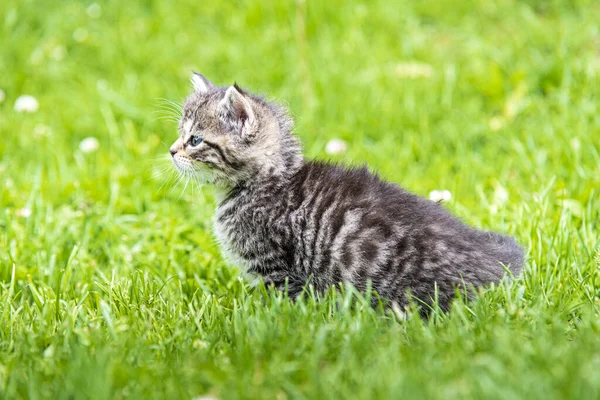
{"x":290,"y":221}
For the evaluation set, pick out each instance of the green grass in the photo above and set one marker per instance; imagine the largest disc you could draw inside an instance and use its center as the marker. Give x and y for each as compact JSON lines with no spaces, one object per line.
{"x":114,"y":288}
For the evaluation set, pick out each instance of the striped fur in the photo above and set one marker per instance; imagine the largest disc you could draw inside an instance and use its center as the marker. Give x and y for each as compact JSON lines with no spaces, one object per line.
{"x":291,"y":222}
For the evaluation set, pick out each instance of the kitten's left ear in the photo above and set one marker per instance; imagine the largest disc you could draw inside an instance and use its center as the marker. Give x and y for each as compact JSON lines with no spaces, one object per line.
{"x":237,"y":108}
{"x":201,"y":84}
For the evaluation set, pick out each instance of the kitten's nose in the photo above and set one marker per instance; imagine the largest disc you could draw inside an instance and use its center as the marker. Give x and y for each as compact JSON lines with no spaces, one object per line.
{"x":173,"y":151}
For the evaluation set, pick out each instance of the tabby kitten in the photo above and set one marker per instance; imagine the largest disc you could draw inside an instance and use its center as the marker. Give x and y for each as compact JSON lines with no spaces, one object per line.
{"x":291,"y":221}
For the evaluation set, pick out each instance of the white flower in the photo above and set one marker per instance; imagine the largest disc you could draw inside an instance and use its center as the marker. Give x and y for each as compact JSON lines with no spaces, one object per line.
{"x":59,"y":53}
{"x":2,"y":95}
{"x":500,"y":195}
{"x":23,"y":212}
{"x":440,"y":195}
{"x":575,"y":144}
{"x":89,"y":145}
{"x":94,"y":10}
{"x":336,"y":146}
{"x":26,"y":103}
{"x":414,"y":70}
{"x":41,"y":130}
{"x":101,"y":85}
{"x":80,"y":35}
{"x":37,"y":56}
{"x":496,"y":123}
{"x":49,"y":352}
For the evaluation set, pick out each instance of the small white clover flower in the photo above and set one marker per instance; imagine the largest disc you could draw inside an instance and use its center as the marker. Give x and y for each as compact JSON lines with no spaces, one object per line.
{"x":26,"y":103}
{"x":80,"y":35}
{"x":336,"y":146}
{"x":500,"y":195}
{"x":23,"y":212}
{"x":575,"y":144}
{"x":41,"y":130}
{"x":94,"y":10}
{"x":59,"y":53}
{"x":440,"y":195}
{"x":2,"y":95}
{"x":37,"y":56}
{"x":89,"y":145}
{"x":414,"y":70}
{"x":496,"y":123}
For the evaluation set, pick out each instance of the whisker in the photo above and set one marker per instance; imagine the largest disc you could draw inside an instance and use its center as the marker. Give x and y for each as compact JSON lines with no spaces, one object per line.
{"x":167,"y":180}
{"x":169,"y":101}
{"x":187,"y":180}
{"x":163,"y":115}
{"x":167,"y":113}
{"x":179,"y":179}
{"x":159,"y":165}
{"x":159,"y":174}
{"x":170,"y":105}
{"x":167,"y":108}
{"x":162,"y":158}
{"x":166,"y":118}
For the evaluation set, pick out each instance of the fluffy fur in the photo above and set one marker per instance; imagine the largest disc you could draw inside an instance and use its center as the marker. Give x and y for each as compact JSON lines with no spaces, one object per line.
{"x":291,"y":222}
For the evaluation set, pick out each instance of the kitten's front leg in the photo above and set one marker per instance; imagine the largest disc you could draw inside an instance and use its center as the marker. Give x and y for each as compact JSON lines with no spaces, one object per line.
{"x":283,"y":280}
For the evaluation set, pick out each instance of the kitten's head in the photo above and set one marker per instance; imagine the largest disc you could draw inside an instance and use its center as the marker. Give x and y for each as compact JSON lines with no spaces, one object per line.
{"x":228,"y":136}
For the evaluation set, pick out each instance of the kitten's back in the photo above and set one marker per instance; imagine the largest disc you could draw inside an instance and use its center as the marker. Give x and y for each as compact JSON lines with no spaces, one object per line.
{"x":424,"y":244}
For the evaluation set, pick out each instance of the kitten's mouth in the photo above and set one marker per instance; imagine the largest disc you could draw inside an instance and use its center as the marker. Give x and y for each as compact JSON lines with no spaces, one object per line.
{"x":183,"y":164}
{"x":200,"y":172}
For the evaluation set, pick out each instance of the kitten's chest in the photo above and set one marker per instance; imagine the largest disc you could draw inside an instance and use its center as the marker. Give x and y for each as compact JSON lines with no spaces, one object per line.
{"x":253,"y":231}
{"x":228,"y":243}
{"x":241,"y":237}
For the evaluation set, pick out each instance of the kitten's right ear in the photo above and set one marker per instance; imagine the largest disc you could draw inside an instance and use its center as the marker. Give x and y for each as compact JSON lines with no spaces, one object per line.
{"x":236,"y":110}
{"x":201,"y":84}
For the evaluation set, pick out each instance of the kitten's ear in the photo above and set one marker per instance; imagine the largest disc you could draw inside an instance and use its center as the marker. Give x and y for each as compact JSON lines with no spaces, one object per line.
{"x":237,"y":109}
{"x":201,"y":84}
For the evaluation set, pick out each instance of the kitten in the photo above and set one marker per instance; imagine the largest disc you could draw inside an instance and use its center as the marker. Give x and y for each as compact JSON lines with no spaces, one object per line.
{"x":291,"y":221}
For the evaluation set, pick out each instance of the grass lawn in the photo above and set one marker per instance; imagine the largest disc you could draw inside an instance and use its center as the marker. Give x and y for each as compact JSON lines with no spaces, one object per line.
{"x":112,"y":286}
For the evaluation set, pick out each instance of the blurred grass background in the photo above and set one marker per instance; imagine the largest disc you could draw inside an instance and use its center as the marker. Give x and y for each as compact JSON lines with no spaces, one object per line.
{"x":112,"y":287}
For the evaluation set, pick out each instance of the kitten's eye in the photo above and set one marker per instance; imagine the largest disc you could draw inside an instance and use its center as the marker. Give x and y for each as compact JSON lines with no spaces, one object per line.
{"x":196,"y":140}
